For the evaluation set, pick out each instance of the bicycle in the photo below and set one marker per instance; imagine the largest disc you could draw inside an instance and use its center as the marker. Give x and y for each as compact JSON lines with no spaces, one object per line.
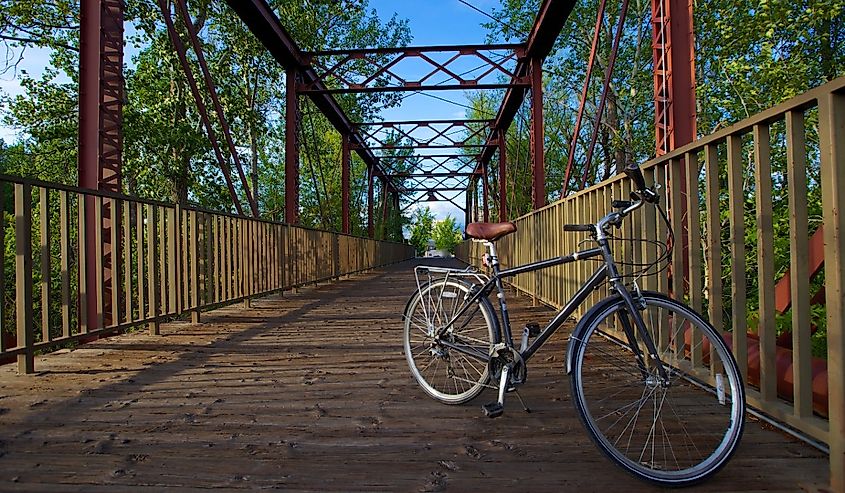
{"x":654,"y":383}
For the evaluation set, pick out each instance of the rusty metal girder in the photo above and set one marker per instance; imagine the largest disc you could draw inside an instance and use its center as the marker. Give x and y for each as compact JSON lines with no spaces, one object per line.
{"x":265,"y":25}
{"x":378,"y":69}
{"x":547,"y":26}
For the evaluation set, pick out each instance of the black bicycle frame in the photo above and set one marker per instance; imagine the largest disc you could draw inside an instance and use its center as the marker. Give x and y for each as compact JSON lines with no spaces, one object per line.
{"x":593,"y":282}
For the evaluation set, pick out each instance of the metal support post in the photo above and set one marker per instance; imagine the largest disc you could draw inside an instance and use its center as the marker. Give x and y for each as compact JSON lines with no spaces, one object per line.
{"x":371,"y":232}
{"x":537,"y":137}
{"x":503,"y":176}
{"x":100,"y":130}
{"x":344,"y":184}
{"x":485,"y":207}
{"x":291,"y":148}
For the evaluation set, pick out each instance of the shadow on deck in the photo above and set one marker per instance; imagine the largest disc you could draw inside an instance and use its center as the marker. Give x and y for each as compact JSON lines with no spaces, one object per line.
{"x":311,"y":391}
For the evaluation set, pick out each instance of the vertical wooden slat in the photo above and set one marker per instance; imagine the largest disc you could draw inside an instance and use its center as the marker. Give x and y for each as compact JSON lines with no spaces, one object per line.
{"x":83,"y":263}
{"x":127,"y":261}
{"x":799,"y":260}
{"x":44,"y":226}
{"x":64,"y":266}
{"x":217,"y":246}
{"x":183,"y":274}
{"x":195,"y":271}
{"x":649,"y":233}
{"x":832,"y":155}
{"x":23,"y":277}
{"x":713,"y":246}
{"x":736,"y":201}
{"x":139,"y":253}
{"x":98,"y":249}
{"x":152,"y":272}
{"x":114,"y":209}
{"x":694,"y":251}
{"x":227,"y":258}
{"x":173,"y":289}
{"x":663,"y":328}
{"x":675,"y":201}
{"x":163,"y":298}
{"x":714,"y":236}
{"x":766,"y":329}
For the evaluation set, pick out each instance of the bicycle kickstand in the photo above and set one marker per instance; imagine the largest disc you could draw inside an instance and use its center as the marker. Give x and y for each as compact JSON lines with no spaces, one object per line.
{"x":495,"y":409}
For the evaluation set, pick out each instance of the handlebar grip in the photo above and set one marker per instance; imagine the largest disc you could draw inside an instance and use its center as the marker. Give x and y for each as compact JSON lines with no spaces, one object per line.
{"x":579,"y":227}
{"x":636,"y":175}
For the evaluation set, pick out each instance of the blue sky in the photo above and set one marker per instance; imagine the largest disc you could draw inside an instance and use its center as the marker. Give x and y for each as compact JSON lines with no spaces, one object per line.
{"x":432,"y":22}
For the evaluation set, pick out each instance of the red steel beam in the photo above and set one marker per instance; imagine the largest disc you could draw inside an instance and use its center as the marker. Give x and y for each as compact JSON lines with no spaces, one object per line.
{"x":371,"y":231}
{"x":547,"y":26}
{"x":291,"y":148}
{"x":503,"y":174}
{"x":590,"y":64}
{"x":203,"y":111}
{"x":389,"y":124}
{"x":344,"y":184}
{"x":674,"y":75}
{"x":100,"y":138}
{"x":265,"y":25}
{"x":485,"y":192}
{"x":215,"y":101}
{"x":416,"y":49}
{"x":608,"y":73}
{"x":537,"y":137}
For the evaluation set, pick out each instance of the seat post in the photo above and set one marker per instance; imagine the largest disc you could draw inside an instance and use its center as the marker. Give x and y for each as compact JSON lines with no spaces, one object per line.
{"x":494,"y":257}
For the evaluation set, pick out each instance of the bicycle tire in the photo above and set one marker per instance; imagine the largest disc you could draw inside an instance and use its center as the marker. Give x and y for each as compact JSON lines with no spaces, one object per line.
{"x":443,"y":373}
{"x":671,"y":435}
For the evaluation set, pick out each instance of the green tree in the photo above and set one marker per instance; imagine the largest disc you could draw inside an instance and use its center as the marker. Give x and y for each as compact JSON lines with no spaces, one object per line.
{"x":446,"y":234}
{"x":422,"y":226}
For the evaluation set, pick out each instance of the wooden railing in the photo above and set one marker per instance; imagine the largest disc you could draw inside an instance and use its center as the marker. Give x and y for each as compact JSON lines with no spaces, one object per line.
{"x":156,"y":261}
{"x":758,"y":190}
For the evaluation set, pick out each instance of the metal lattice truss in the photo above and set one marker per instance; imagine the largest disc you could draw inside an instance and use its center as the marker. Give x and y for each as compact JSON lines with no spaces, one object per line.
{"x":427,"y":68}
{"x":434,"y":134}
{"x":319,"y":75}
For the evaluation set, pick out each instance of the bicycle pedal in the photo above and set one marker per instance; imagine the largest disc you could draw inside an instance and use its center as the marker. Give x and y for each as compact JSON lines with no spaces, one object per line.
{"x":493,"y":409}
{"x":533,"y":329}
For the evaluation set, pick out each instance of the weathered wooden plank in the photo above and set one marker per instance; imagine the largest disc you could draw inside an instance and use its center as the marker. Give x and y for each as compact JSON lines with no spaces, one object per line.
{"x":201,"y":409}
{"x":23,"y":277}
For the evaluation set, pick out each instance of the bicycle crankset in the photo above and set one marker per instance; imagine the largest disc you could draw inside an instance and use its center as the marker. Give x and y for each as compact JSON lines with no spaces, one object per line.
{"x":500,"y":356}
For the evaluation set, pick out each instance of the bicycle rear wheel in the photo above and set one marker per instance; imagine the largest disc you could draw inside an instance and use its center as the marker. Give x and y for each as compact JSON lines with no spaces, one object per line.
{"x":673,"y":432}
{"x":450,"y":375}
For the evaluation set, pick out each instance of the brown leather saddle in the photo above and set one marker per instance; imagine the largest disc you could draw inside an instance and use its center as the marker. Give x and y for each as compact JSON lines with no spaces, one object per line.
{"x":490,"y":231}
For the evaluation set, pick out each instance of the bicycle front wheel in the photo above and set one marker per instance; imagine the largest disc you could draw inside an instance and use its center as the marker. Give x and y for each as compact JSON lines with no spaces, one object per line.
{"x":673,"y":428}
{"x":453,"y":367}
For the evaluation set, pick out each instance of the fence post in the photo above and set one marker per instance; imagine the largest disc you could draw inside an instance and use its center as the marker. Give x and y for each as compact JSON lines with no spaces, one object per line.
{"x":194,"y":260}
{"x":153,"y":293}
{"x":832,"y":150}
{"x":23,"y":276}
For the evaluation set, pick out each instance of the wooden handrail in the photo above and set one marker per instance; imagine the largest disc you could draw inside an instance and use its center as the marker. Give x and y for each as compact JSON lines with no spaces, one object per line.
{"x":815,"y":404}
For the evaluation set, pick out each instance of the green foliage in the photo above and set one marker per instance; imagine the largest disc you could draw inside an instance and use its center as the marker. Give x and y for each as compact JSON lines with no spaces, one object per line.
{"x":422,"y":227}
{"x":446,"y":234}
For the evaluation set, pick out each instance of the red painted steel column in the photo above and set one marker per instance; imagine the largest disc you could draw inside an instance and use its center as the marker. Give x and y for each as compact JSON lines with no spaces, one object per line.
{"x":537,"y":138}
{"x":397,"y":212}
{"x":100,"y":137}
{"x":371,"y":231}
{"x":485,"y":207}
{"x":503,"y":176}
{"x":291,"y":148}
{"x":383,"y":194}
{"x":344,"y":184}
{"x":673,"y":45}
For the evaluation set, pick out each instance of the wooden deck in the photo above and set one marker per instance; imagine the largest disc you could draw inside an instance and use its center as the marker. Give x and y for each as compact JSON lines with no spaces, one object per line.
{"x":310,"y":392}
